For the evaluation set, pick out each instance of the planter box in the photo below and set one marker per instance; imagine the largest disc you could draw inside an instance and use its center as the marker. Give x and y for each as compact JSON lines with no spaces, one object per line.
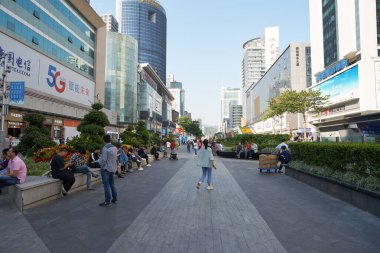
{"x":232,"y":154}
{"x":366,"y":200}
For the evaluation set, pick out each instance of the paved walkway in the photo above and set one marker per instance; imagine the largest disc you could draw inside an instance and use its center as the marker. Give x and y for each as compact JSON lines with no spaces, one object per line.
{"x":182,"y":219}
{"x":160,"y":210}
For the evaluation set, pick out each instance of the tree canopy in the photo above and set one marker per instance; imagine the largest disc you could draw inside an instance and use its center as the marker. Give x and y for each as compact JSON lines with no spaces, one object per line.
{"x":304,"y":102}
{"x":191,"y":127}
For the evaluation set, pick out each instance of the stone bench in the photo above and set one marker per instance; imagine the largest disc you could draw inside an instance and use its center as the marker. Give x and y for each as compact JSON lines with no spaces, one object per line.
{"x":38,"y":190}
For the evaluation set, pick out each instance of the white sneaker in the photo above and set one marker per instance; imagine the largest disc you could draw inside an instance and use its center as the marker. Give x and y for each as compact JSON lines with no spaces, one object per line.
{"x":148,"y":165}
{"x":210,"y":187}
{"x":140,"y":169}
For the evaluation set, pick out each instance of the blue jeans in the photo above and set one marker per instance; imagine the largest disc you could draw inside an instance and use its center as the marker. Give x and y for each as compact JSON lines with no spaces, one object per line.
{"x":3,"y":171}
{"x":108,"y":182}
{"x":84,"y":170}
{"x":206,"y":171}
{"x":196,"y":151}
{"x":7,"y":181}
{"x":168,"y":151}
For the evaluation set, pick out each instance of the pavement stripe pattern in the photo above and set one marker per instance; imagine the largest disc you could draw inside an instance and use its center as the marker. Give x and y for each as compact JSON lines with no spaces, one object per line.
{"x":182,"y":219}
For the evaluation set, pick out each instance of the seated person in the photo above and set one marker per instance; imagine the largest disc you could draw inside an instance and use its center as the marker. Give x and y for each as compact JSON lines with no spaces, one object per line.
{"x":173,"y":155}
{"x":17,"y":170}
{"x":4,"y":162}
{"x":79,"y":165}
{"x":94,"y":158}
{"x":284,"y":158}
{"x":134,"y":158}
{"x":142,"y":153}
{"x":122,"y":160}
{"x":59,"y":170}
{"x":154,"y":152}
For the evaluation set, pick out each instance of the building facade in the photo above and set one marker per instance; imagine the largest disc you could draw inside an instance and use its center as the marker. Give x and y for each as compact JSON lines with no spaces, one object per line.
{"x":153,"y":99}
{"x":230,"y":96}
{"x":55,"y":50}
{"x":121,"y":77}
{"x":145,"y":20}
{"x":178,"y":93}
{"x":259,"y":54}
{"x":111,"y":23}
{"x":345,"y":37}
{"x":236,"y":113}
{"x":291,"y":71}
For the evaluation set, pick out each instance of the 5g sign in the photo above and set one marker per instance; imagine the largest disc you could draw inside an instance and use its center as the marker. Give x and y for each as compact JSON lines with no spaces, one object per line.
{"x":52,"y":80}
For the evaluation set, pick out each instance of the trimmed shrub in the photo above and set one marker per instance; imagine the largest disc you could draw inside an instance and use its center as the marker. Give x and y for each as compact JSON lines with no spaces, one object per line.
{"x":362,"y":159}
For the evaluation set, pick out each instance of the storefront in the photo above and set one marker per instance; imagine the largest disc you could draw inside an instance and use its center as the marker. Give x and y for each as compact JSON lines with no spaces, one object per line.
{"x":14,"y":124}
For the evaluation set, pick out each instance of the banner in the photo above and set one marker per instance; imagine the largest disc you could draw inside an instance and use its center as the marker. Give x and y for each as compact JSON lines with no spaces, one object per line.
{"x":17,"y":93}
{"x":45,"y":75}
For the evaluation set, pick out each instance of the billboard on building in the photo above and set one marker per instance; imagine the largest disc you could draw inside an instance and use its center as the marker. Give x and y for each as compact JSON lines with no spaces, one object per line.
{"x":45,"y":75}
{"x":342,"y":87}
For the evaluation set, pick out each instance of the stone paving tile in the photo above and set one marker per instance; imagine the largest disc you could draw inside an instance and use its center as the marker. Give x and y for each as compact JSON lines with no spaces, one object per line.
{"x":183,"y":219}
{"x":17,"y":235}
{"x":303,"y":218}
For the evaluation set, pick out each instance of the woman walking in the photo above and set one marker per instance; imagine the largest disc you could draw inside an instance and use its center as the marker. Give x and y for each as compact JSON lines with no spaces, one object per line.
{"x":206,"y":161}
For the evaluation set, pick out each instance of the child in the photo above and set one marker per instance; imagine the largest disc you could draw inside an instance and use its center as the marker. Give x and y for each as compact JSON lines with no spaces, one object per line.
{"x":284,"y":158}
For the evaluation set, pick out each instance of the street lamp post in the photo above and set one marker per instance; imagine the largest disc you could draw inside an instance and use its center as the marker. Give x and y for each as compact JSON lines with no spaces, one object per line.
{"x":6,"y":70}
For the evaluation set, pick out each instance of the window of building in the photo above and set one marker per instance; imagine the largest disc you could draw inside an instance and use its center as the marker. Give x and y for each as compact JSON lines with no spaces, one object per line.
{"x":70,"y":39}
{"x":36,"y":14}
{"x":35,"y":40}
{"x":329,"y":32}
{"x":11,"y":26}
{"x":152,"y":16}
{"x":378,"y":20}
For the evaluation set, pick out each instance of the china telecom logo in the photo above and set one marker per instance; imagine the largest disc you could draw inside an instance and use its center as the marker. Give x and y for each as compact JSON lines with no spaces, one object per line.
{"x":53,"y":78}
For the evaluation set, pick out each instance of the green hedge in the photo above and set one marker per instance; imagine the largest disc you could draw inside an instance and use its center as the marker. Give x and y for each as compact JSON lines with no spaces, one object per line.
{"x":260,"y":139}
{"x":363,"y":159}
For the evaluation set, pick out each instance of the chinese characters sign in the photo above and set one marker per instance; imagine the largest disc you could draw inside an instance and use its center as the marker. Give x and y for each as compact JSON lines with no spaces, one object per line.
{"x":43,"y":75}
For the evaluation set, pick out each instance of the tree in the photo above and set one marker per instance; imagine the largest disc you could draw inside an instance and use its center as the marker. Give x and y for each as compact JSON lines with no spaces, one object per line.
{"x":191,"y":127}
{"x":35,"y":136}
{"x":142,"y":133}
{"x":275,"y":109}
{"x":303,"y":102}
{"x":91,"y":129}
{"x":136,"y":136}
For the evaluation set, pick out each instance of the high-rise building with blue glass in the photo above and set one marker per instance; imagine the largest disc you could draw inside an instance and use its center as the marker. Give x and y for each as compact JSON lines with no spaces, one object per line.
{"x":145,"y":20}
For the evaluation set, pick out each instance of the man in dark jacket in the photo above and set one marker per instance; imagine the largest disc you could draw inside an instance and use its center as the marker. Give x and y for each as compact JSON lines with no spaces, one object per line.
{"x":154,"y":152}
{"x":284,"y":158}
{"x":59,"y":170}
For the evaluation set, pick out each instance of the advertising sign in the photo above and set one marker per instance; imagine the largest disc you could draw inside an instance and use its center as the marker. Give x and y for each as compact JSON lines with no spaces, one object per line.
{"x":45,"y":75}
{"x":342,"y":87}
{"x":16,"y":94}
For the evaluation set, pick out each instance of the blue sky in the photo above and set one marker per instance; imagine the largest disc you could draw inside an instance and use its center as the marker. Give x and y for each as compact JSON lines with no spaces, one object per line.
{"x":205,"y":39}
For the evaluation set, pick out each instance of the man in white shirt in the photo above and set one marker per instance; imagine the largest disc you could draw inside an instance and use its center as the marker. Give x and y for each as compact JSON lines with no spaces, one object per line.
{"x":168,"y":149}
{"x":283,"y":143}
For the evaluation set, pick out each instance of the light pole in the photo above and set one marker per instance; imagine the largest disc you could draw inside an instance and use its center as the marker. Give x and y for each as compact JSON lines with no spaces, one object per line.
{"x":6,"y":70}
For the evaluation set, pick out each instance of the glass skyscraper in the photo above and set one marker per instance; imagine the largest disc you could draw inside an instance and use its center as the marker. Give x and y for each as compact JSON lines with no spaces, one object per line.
{"x":145,"y":20}
{"x":121,"y":76}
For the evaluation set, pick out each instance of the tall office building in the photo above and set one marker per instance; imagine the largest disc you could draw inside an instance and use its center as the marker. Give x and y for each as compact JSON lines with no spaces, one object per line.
{"x":56,"y":53}
{"x":145,"y":20}
{"x":236,"y":113}
{"x":291,"y":71}
{"x":121,"y":77}
{"x":112,"y":24}
{"x":345,"y":42}
{"x":230,"y":96}
{"x":259,"y":54}
{"x":178,"y":93}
